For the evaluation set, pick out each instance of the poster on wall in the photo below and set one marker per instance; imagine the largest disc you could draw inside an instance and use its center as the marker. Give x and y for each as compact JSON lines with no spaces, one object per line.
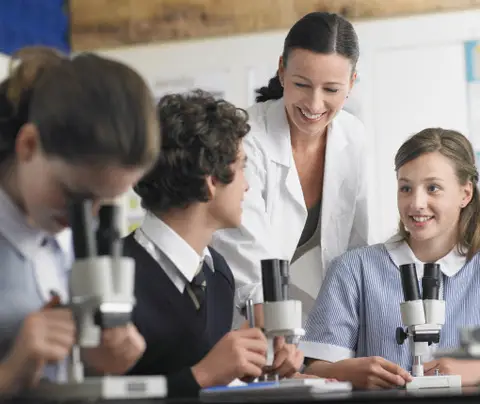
{"x":135,"y":212}
{"x":472,"y":64}
{"x":259,"y":77}
{"x":215,"y":83}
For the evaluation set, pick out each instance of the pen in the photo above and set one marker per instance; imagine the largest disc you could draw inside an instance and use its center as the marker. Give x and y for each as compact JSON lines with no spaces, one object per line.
{"x":250,"y":313}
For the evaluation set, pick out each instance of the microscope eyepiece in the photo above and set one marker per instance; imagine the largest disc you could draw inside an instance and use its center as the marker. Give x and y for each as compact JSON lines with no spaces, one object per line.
{"x":431,"y":281}
{"x":275,"y":278}
{"x":83,"y":232}
{"x":408,"y":273}
{"x":108,"y":234}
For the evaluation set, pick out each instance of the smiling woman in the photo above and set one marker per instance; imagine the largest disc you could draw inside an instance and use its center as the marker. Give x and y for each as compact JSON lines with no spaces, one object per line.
{"x":306,"y":164}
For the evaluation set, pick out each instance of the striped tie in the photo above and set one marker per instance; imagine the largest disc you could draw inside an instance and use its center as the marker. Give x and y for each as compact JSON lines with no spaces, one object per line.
{"x":197,"y":287}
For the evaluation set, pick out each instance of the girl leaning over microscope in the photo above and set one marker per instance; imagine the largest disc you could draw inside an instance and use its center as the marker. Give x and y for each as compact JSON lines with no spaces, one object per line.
{"x":69,"y":128}
{"x":351,"y":332}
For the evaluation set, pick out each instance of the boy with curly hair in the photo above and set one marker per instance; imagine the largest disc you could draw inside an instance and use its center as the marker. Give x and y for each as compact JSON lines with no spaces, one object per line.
{"x":185,"y":289}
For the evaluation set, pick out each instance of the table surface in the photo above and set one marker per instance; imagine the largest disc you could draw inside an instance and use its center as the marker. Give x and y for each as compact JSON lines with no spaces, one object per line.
{"x":356,"y":397}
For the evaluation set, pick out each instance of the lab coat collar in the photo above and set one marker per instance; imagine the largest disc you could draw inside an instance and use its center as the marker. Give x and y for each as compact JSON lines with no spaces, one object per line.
{"x":278,"y":131}
{"x":401,"y":253}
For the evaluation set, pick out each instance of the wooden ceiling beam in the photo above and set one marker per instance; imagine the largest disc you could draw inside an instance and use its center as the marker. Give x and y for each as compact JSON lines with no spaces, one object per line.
{"x":97,"y":24}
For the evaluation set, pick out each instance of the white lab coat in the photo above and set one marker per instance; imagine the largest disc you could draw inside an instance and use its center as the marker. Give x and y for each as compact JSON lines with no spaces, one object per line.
{"x":274,"y":210}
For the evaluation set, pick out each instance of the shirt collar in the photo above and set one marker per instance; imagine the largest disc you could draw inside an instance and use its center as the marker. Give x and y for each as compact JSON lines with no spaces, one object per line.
{"x":15,"y":228}
{"x":401,"y":253}
{"x":177,"y":250}
{"x":65,"y":242}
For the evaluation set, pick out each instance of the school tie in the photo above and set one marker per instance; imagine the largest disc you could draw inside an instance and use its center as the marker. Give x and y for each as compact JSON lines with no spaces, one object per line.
{"x":197,"y":286}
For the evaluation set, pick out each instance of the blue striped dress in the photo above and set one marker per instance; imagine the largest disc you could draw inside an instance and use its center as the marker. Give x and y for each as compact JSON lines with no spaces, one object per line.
{"x":357,"y":310}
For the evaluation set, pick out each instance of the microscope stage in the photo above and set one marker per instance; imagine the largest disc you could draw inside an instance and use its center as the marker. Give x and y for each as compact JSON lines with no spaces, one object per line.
{"x":107,"y":387}
{"x":435,"y":382}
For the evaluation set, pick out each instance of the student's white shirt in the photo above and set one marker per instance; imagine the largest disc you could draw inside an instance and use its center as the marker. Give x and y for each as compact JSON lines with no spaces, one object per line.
{"x":174,"y":255}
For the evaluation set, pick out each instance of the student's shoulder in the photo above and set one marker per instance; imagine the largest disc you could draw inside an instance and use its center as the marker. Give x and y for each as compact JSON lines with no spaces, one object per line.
{"x":8,"y":249}
{"x":13,"y":257}
{"x":361,"y":258}
{"x":220,"y":265}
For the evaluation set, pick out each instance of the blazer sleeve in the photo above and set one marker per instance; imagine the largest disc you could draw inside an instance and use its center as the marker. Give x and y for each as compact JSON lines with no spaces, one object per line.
{"x":359,"y":235}
{"x":245,"y":246}
{"x":182,"y":384}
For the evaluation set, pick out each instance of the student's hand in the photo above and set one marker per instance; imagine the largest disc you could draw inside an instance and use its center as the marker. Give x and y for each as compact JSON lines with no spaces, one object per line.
{"x":239,"y":354}
{"x":469,"y":370}
{"x":119,"y":350}
{"x":288,"y":359}
{"x":46,"y":336}
{"x":372,"y":372}
{"x":298,"y":375}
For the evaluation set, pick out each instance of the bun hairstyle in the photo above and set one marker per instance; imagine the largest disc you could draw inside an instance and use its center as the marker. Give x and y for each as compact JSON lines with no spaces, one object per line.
{"x":317,"y":32}
{"x":88,"y":109}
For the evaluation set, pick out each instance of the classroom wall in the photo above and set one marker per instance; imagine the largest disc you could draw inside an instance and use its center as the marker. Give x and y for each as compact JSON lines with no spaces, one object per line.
{"x":411,"y":75}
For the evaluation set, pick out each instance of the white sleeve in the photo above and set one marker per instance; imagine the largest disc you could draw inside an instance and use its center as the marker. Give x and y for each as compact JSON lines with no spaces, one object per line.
{"x":360,"y":227}
{"x":243,"y":248}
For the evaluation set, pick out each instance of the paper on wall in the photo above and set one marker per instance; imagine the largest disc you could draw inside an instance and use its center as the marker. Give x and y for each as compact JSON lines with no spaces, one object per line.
{"x":472,"y":64}
{"x":215,"y":83}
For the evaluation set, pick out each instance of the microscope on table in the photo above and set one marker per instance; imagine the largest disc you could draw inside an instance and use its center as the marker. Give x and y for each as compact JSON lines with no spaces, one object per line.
{"x":282,"y":318}
{"x":423,"y":317}
{"x":101,"y":289}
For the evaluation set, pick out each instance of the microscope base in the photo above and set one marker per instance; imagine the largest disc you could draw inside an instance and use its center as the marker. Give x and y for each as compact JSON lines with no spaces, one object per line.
{"x":435,"y":382}
{"x":104,"y":388}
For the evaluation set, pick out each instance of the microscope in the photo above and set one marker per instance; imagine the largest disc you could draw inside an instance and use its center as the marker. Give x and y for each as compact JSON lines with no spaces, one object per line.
{"x":282,"y":317}
{"x":423,"y":318}
{"x":101,"y":289}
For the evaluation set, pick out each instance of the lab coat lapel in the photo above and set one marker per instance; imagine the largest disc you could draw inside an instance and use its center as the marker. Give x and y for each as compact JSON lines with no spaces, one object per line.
{"x":287,"y":222}
{"x":336,"y":170}
{"x":280,"y":147}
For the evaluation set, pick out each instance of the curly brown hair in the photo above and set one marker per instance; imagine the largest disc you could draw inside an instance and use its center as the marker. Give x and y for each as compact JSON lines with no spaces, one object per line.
{"x":201,"y":137}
